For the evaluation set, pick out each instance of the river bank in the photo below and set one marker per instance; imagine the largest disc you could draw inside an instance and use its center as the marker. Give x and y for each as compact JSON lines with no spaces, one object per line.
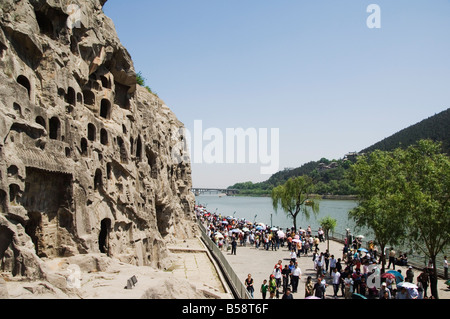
{"x":330,"y":197}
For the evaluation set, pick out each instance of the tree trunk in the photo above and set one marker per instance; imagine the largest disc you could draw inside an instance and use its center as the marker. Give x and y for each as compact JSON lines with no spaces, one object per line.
{"x":328,"y":240}
{"x":294,"y":219}
{"x":383,"y":258}
{"x":434,"y":279}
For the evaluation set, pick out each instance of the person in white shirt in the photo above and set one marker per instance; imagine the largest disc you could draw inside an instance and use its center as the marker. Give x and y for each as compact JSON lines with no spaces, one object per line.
{"x":293,"y":256}
{"x":296,"y":276}
{"x":336,"y":280}
{"x":332,"y":263}
{"x":348,"y":284}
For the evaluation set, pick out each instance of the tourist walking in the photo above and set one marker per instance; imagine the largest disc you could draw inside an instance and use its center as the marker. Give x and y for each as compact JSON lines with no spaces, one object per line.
{"x":409,"y":275}
{"x":319,"y":265}
{"x":391,"y":258}
{"x":264,"y":288}
{"x":296,"y":276}
{"x":424,"y":280}
{"x":384,"y":292}
{"x":249,"y":285}
{"x":309,"y":287}
{"x":326,"y":256}
{"x":293,"y":255}
{"x":348,"y":286}
{"x":287,"y":294}
{"x":233,"y":246}
{"x":333,"y":262}
{"x":286,"y":273}
{"x":278,"y":276}
{"x":336,"y":280}
{"x":272,"y":287}
{"x":319,"y":289}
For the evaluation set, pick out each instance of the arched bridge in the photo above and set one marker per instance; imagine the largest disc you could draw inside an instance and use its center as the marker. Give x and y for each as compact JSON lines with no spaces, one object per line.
{"x":228,"y":192}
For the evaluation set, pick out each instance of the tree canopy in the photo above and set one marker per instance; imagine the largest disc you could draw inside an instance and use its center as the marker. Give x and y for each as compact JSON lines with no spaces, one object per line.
{"x":404,"y":195}
{"x":294,"y":197}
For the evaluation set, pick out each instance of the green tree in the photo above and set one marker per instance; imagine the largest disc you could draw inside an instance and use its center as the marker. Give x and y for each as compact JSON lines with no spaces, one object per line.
{"x":377,"y":179}
{"x":328,"y":223}
{"x":140,"y":79}
{"x":426,"y":202}
{"x":294,"y":197}
{"x":405,"y":196}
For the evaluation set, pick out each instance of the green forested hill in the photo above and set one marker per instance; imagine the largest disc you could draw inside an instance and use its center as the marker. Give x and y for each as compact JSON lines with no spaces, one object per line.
{"x":332,"y":178}
{"x":436,"y":128}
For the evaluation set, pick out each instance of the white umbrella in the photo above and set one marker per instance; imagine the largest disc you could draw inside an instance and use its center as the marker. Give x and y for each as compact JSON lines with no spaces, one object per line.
{"x":235,"y":230}
{"x":295,"y":240}
{"x":219,"y":235}
{"x":407,"y":285}
{"x":274,"y":228}
{"x":245,"y":229}
{"x":360,"y":236}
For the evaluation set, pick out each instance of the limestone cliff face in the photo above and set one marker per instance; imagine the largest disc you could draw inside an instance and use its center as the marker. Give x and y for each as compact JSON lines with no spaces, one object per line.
{"x":86,"y":161}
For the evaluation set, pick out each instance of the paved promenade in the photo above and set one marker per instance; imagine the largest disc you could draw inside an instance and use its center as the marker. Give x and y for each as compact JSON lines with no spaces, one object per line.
{"x":260,"y":263}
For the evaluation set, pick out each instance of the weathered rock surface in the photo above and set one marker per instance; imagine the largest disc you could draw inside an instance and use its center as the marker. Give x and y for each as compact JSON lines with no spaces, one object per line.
{"x":86,"y":161}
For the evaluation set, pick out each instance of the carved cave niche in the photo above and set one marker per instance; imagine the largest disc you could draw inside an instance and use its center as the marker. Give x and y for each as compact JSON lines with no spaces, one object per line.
{"x":47,"y":198}
{"x":34,"y":229}
{"x":162,"y":219}
{"x":106,"y":83}
{"x":121,"y":97}
{"x":6,"y":254}
{"x":105,"y":109}
{"x":92,"y":132}
{"x":103,"y":236}
{"x":108,"y":171}
{"x":55,"y":128}
{"x":3,"y":196}
{"x":14,"y":193}
{"x":89,"y":98}
{"x":98,"y":179}
{"x":70,"y":97}
{"x":51,"y":22}
{"x":103,"y":137}
{"x":139,"y":148}
{"x":18,"y":109}
{"x":152,"y":161}
{"x":79,"y":98}
{"x":41,"y":121}
{"x":84,"y":147}
{"x":23,"y":80}
{"x":122,"y":150}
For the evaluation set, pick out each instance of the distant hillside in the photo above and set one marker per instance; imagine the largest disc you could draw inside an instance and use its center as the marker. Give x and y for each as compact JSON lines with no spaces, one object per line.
{"x":330,"y":176}
{"x":436,"y":128}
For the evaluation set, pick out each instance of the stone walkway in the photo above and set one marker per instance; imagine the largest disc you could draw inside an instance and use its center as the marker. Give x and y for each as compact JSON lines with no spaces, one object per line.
{"x":260,"y":263}
{"x":195,"y":264}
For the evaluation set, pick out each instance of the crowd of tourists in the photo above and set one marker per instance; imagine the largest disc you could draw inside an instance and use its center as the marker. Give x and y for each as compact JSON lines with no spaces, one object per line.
{"x":352,"y":275}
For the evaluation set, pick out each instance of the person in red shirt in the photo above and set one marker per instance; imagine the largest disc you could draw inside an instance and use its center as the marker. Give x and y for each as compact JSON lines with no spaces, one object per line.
{"x":279,"y":265}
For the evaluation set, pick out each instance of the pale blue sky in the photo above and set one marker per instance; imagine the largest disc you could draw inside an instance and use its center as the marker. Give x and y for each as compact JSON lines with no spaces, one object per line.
{"x":313,"y":69}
